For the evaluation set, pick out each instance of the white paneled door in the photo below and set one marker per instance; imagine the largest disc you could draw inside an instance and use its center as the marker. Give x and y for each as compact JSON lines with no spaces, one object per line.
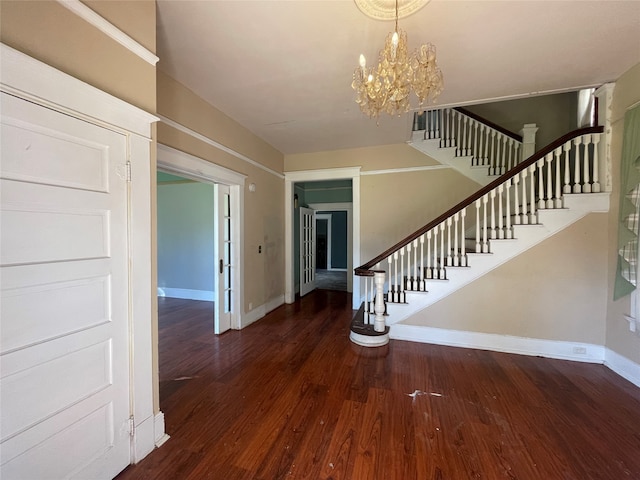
{"x":224,"y":245}
{"x":64,"y":386}
{"x":307,"y":250}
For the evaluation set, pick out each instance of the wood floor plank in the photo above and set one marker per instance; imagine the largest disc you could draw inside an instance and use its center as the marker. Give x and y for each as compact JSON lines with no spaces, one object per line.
{"x":290,"y":397}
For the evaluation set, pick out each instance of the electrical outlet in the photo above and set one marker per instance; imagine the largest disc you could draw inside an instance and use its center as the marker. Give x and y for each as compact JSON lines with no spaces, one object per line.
{"x":250,"y":306}
{"x":580,"y":350}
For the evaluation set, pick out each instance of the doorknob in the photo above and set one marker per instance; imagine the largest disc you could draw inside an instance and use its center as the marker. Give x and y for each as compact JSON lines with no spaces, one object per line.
{"x":221,"y":266}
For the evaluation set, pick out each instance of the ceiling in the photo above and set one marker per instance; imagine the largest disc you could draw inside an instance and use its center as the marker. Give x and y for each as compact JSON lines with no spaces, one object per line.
{"x":283,"y":68}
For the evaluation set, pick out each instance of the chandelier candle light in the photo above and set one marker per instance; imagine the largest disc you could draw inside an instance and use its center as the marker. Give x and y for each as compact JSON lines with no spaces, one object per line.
{"x":387,"y":86}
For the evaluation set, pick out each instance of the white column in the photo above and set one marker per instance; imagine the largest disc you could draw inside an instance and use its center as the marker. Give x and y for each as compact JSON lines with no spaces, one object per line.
{"x":604,"y":94}
{"x":528,"y":133}
{"x":378,"y":323}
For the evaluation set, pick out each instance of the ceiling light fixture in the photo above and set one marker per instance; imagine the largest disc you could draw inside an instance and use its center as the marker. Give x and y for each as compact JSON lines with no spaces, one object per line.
{"x":387,"y":86}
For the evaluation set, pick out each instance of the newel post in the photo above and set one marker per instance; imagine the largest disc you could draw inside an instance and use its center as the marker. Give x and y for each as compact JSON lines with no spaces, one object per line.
{"x":604,"y":95}
{"x":528,"y":133}
{"x":379,"y":323}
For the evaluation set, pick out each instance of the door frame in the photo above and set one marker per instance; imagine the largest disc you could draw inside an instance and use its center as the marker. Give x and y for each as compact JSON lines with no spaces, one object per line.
{"x":348,"y":208}
{"x":39,"y":83}
{"x":180,"y":163}
{"x":290,"y":178}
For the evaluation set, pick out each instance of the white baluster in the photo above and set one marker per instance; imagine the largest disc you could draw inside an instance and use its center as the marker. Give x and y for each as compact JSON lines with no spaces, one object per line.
{"x":397,"y":285}
{"x":500,"y":217}
{"x":415,"y":265}
{"x":422,"y":275}
{"x":532,"y":206}
{"x":366,"y":299}
{"x":525,"y":205}
{"x":567,"y":178}
{"x":510,"y":164}
{"x":492,"y":197}
{"x":558,"y":199}
{"x":401,"y":283}
{"x":463,"y":246}
{"x":478,"y":247}
{"x":449,"y":222}
{"x":595,"y":139}
{"x":476,"y":150}
{"x":516,"y":154}
{"x":408,"y":285}
{"x":485,"y":243}
{"x":503,"y":156}
{"x":429,"y":271}
{"x":456,"y":257}
{"x":378,"y":323}
{"x":438,"y":123}
{"x":549,"y":158}
{"x":465,"y":123}
{"x":443,"y":272}
{"x":486,"y":135}
{"x":586,"y":187}
{"x":435,"y":253}
{"x":516,"y":204}
{"x":541,"y":202}
{"x":494,"y":157}
{"x":458,"y":134}
{"x":577,"y":188}
{"x":391,"y":286}
{"x":508,"y":231}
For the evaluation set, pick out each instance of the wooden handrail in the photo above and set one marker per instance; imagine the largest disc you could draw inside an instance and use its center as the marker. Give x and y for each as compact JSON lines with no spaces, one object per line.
{"x":489,"y":123}
{"x":365,"y":270}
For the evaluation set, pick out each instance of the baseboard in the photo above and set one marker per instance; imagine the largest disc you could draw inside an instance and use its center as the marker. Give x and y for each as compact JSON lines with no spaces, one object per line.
{"x":144,"y":439}
{"x":260,"y":311}
{"x":159,"y":433}
{"x":187,"y":294}
{"x":623,"y":366}
{"x":581,"y":352}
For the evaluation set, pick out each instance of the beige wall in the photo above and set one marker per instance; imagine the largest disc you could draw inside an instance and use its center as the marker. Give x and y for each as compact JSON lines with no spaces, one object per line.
{"x":263,"y":210}
{"x":553,"y":291}
{"x":619,"y":338}
{"x":554,"y":115}
{"x":56,"y":36}
{"x":393,"y":204}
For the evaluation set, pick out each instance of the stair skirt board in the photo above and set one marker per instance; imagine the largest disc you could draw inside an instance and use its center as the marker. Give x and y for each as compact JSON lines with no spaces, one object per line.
{"x":561,"y":350}
{"x":527,"y":236}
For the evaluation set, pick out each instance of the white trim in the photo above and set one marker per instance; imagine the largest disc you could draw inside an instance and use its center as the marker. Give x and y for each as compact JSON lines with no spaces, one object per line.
{"x":160,"y":435}
{"x":187,"y":294}
{"x":260,"y":311}
{"x":405,"y":170}
{"x":623,"y":366}
{"x":217,"y":145}
{"x":189,"y":166}
{"x":28,"y":78}
{"x":500,"y":343}
{"x":177,"y":161}
{"x":344,"y":173}
{"x":84,"y":12}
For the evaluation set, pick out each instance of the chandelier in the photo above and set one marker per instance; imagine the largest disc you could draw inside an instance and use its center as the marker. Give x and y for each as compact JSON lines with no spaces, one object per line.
{"x":387,"y":86}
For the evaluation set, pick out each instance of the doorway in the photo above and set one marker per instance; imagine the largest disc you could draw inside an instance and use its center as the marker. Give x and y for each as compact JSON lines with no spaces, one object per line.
{"x":225,"y":269}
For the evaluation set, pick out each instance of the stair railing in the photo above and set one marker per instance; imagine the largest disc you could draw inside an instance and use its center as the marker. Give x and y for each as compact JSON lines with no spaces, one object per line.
{"x":568,"y":165}
{"x":488,"y":144}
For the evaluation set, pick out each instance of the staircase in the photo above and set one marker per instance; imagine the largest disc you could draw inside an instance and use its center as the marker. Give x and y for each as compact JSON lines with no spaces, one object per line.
{"x":474,"y":146}
{"x":522,"y":203}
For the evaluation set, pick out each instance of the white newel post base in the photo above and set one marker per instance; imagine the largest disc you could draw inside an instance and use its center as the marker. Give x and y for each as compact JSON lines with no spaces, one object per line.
{"x":379,"y":323}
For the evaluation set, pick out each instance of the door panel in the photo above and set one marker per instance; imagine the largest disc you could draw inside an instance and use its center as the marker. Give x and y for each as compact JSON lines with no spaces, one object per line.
{"x":307,"y":250}
{"x":64,"y":351}
{"x":224,"y":245}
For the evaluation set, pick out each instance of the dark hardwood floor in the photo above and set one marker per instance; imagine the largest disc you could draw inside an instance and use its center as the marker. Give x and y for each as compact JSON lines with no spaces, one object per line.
{"x":291,"y":397}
